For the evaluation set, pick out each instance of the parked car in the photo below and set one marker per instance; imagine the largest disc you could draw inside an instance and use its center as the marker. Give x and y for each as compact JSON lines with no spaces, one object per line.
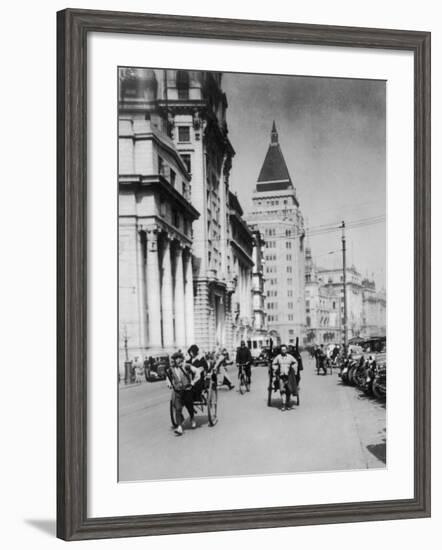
{"x":155,"y":367}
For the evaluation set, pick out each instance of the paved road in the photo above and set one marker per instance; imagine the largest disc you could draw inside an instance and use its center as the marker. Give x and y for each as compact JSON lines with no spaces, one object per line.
{"x":334,"y":428}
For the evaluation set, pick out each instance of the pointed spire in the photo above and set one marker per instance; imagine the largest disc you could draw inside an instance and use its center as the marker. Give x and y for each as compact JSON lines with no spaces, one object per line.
{"x":274,"y":174}
{"x":274,"y":135}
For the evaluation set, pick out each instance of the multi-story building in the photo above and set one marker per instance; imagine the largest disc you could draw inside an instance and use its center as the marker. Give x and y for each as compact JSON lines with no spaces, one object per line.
{"x":156,"y":310}
{"x":375,"y":303}
{"x":260,"y":336}
{"x":276,"y":213}
{"x":185,"y":249}
{"x":241,"y":242}
{"x":322,"y":307}
{"x":366,"y":308}
{"x":196,"y":110}
{"x":332,"y":280}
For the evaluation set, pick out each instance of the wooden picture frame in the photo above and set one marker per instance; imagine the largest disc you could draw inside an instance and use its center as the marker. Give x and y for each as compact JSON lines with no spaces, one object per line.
{"x":73,"y":27}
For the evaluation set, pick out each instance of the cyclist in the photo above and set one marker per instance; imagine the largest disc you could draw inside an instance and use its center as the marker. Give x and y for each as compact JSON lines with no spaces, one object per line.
{"x":244,"y":359}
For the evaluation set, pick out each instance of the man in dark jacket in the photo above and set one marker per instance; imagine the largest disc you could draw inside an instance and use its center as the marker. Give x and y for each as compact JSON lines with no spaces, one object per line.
{"x":244,"y":357}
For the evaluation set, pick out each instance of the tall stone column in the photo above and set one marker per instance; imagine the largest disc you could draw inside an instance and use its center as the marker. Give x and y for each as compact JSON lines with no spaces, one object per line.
{"x":153,"y":289}
{"x":167,"y":295}
{"x":180,"y":320}
{"x":141,"y":287}
{"x":188,"y":297}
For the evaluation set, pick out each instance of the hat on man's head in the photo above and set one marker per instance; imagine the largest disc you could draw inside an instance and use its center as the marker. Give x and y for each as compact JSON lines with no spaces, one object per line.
{"x":177,"y":355}
{"x":194,"y":349}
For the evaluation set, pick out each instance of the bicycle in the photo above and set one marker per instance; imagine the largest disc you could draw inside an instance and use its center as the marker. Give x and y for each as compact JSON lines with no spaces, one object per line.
{"x":244,"y":383}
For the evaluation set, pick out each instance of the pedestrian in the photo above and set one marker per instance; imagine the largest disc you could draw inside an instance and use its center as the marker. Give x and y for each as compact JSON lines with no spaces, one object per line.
{"x":221,"y":363}
{"x":321,"y":357}
{"x":182,"y":380}
{"x":138,"y":370}
{"x":285,"y":368}
{"x":244,"y":357}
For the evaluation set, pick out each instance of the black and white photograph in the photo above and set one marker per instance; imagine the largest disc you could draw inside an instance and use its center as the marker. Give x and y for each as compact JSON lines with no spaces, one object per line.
{"x":251,"y":274}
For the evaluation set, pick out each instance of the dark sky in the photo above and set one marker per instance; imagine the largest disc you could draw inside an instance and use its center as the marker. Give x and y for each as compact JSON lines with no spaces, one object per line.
{"x":332,"y":134}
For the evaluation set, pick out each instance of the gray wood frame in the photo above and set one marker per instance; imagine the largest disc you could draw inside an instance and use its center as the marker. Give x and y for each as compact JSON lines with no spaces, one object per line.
{"x":73,"y":27}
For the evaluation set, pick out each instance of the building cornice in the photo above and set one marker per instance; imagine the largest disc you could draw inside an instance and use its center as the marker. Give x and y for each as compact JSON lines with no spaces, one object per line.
{"x":160,"y":184}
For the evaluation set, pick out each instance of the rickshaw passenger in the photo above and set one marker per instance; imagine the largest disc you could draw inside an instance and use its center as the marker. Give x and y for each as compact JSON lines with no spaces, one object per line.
{"x":285,"y":367}
{"x":197,"y":361}
{"x":182,"y":380}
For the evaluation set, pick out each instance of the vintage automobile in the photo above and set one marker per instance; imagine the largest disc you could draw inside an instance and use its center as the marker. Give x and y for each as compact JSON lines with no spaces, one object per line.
{"x":155,"y":367}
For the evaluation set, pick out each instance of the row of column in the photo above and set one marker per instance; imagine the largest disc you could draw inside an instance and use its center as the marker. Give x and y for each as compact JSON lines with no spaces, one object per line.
{"x":169,"y":293}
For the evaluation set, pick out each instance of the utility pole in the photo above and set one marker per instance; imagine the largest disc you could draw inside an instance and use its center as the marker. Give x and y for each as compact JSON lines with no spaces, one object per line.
{"x":344,"y":284}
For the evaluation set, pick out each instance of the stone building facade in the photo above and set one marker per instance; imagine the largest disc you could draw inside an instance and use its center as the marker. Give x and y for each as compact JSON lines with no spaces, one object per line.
{"x":322,"y":307}
{"x":241,"y":243}
{"x":276,"y":213}
{"x":196,"y":112}
{"x":185,"y":252}
{"x":156,"y":309}
{"x":366,"y":307}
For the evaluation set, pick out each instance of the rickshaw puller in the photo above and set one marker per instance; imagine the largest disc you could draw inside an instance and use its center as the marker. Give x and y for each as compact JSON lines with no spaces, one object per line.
{"x":285,"y":367}
{"x":182,"y":380}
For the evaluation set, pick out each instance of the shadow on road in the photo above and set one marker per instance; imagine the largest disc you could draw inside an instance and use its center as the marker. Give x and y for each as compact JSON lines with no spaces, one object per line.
{"x":379,"y":450}
{"x":370,"y":397}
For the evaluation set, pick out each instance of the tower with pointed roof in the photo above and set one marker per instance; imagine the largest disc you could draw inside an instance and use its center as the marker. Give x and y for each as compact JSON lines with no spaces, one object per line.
{"x":276,"y":213}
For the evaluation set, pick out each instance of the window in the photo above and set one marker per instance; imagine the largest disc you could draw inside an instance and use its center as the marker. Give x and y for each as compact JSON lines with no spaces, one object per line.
{"x":182,"y":84}
{"x":289,"y":281}
{"x":187,"y":162}
{"x":290,"y":304}
{"x":160,"y":166}
{"x":289,"y":257}
{"x":291,"y":331}
{"x":288,"y":244}
{"x":290,"y":317}
{"x":172,"y":177}
{"x":175,"y":218}
{"x":289,"y":293}
{"x":289,"y":269}
{"x":184,"y":133}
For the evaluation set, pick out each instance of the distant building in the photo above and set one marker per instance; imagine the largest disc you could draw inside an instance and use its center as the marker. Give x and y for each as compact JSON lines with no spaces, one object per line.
{"x":276,"y":213}
{"x":322,"y":307}
{"x":366,"y":308}
{"x":374,"y":317}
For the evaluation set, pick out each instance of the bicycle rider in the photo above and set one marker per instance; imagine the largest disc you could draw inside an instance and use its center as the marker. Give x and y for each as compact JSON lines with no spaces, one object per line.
{"x":244,"y":359}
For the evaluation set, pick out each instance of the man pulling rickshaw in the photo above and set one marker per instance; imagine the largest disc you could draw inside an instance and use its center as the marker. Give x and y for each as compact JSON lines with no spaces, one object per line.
{"x":284,"y":376}
{"x":193,"y":384}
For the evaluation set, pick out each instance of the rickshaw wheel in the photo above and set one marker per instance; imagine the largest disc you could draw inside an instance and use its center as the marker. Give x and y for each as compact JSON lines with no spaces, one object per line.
{"x":212,"y":406}
{"x":297,"y":399}
{"x":269,"y":396}
{"x":173,"y":415}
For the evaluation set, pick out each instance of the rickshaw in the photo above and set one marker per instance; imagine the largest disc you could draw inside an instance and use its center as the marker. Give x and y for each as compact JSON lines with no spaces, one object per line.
{"x":208,"y":399}
{"x":274,"y":387}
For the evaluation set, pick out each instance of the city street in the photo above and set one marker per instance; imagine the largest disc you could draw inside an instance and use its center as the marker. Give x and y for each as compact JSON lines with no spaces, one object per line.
{"x":335,"y":427}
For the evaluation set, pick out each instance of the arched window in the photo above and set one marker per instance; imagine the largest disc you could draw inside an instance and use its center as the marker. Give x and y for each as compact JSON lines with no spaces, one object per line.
{"x":182,"y":84}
